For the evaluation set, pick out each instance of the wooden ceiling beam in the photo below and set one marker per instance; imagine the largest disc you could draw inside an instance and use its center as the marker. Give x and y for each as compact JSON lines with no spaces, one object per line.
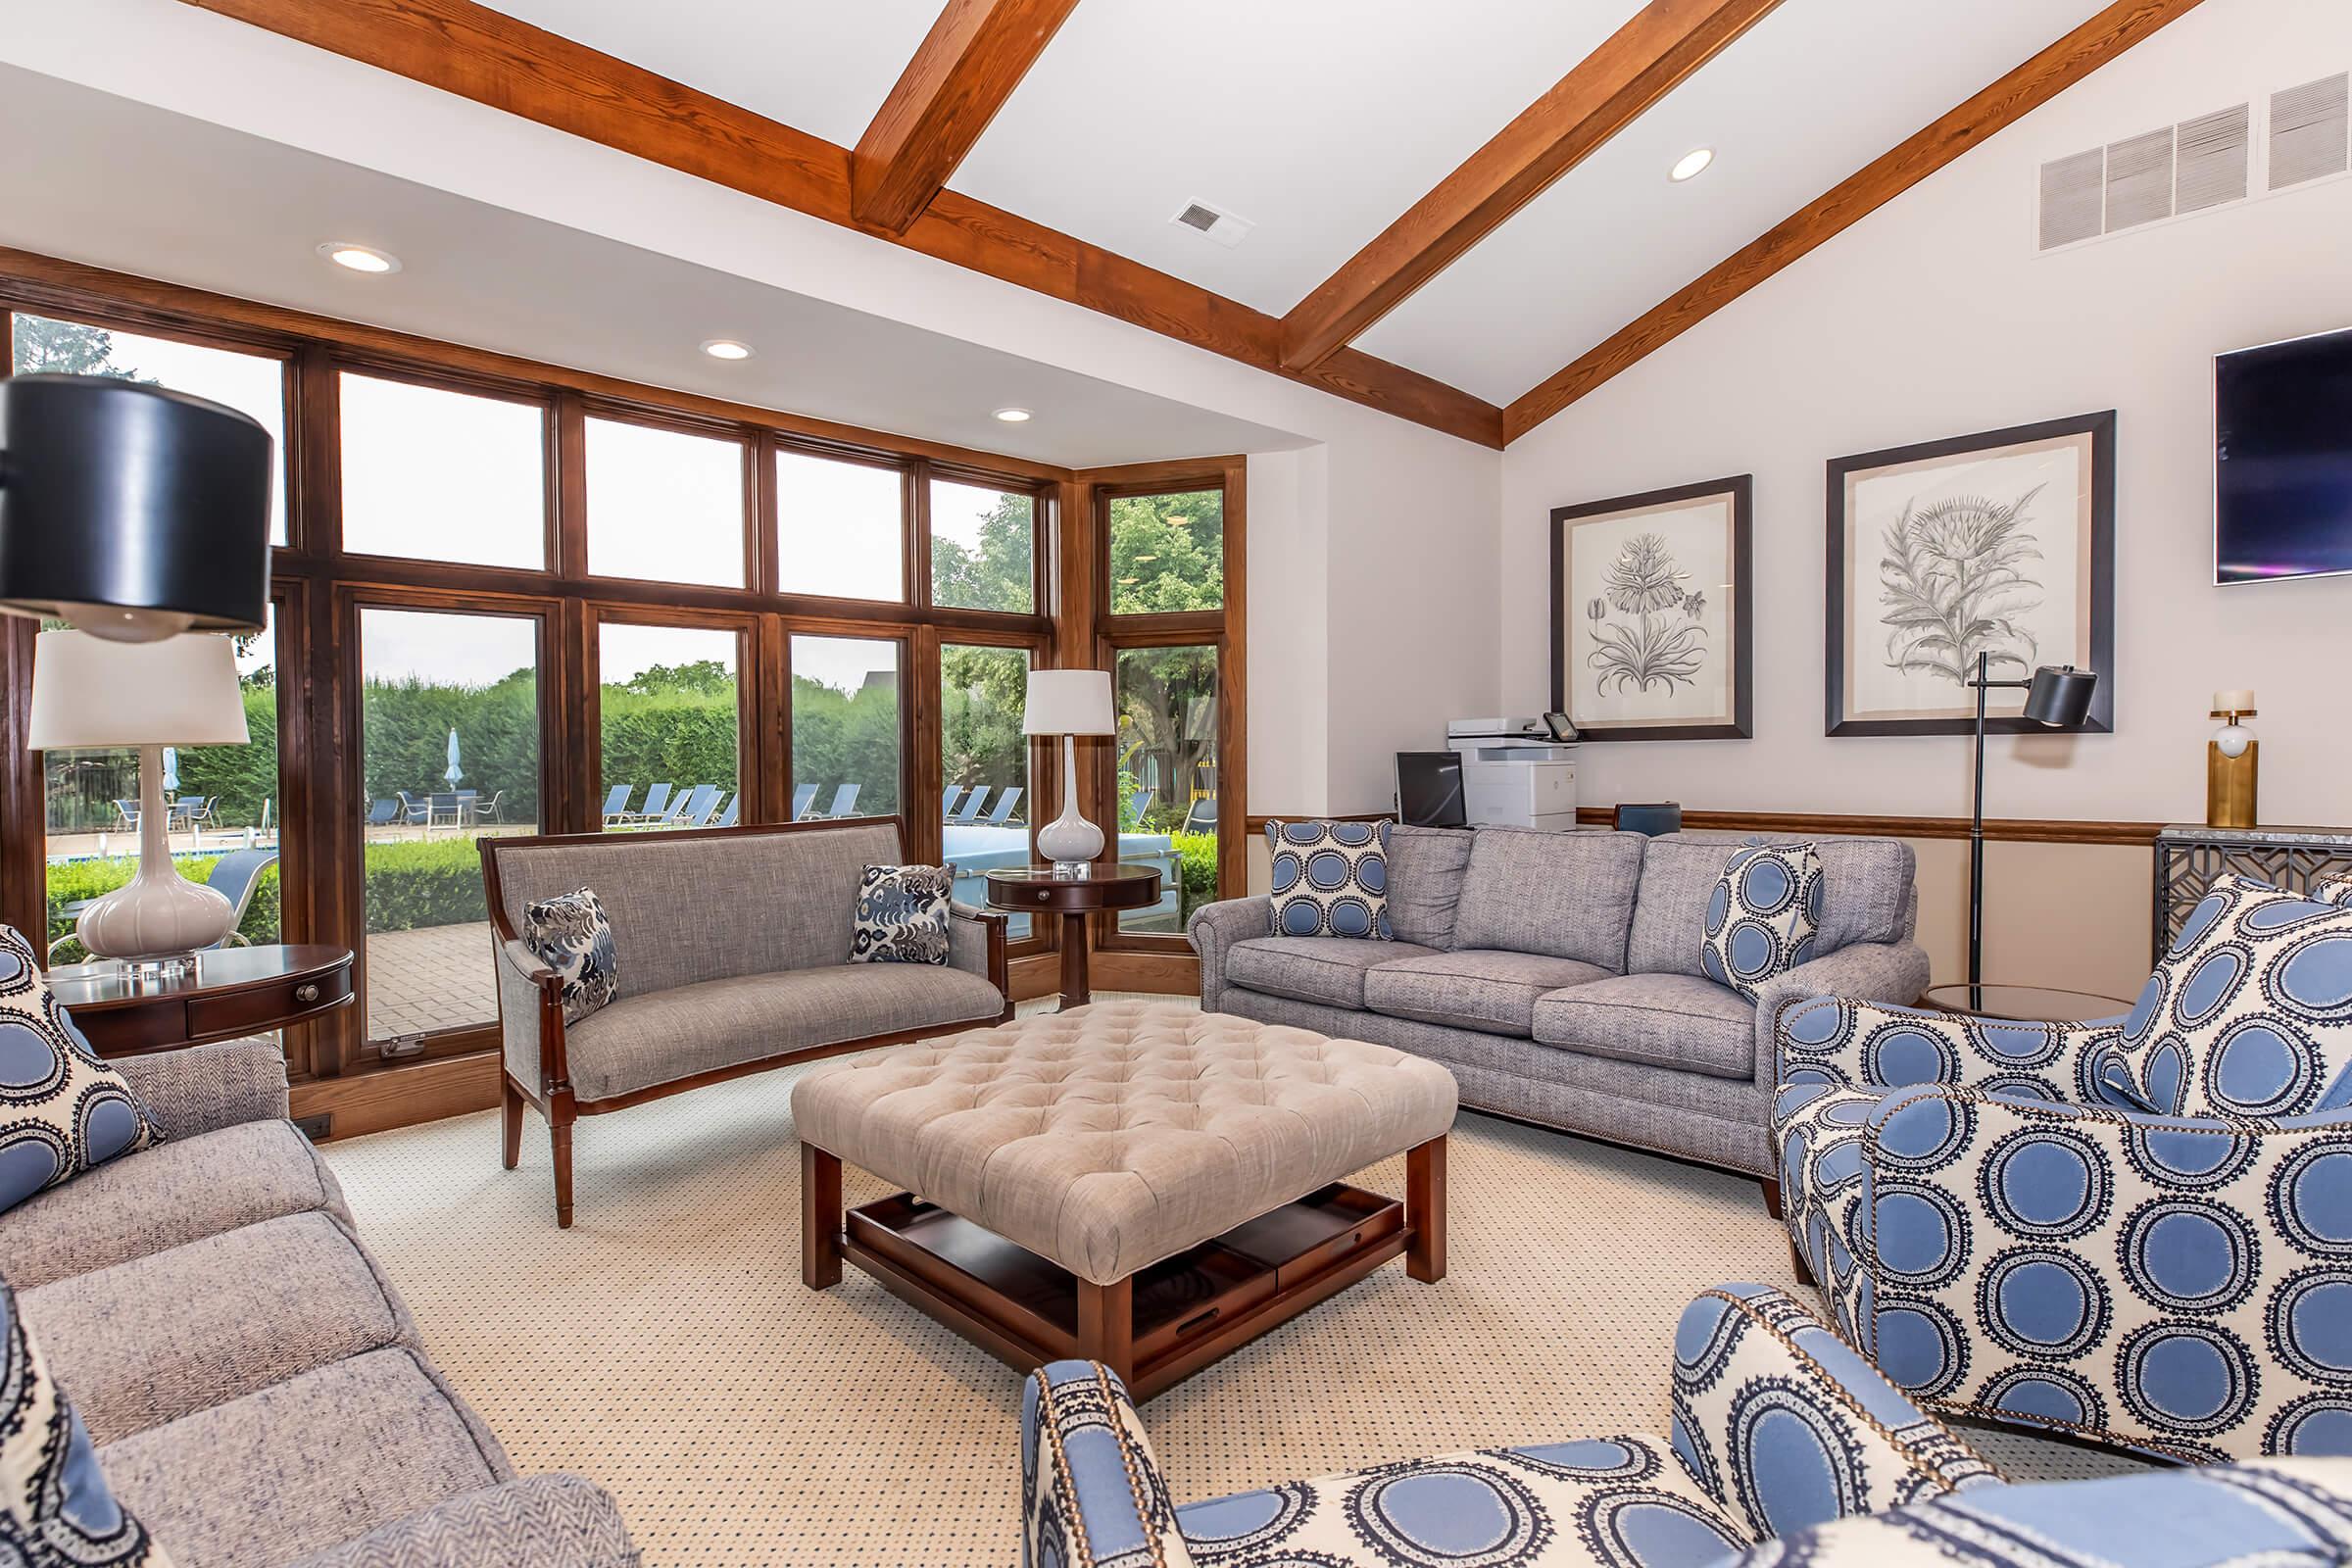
{"x":1645,"y":60}
{"x":972,"y":59}
{"x":488,"y":57}
{"x":2018,"y":93}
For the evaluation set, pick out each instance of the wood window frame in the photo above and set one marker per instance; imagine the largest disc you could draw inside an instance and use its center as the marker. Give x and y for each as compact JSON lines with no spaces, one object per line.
{"x":1039,"y":748}
{"x":575,"y":503}
{"x":755,"y":753}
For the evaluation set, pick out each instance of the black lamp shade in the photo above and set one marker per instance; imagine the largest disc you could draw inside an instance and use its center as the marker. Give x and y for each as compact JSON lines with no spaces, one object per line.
{"x":2060,"y":696}
{"x":133,"y":511}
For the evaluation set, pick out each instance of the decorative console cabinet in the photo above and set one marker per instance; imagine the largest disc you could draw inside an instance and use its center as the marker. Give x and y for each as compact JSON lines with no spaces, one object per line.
{"x":2190,"y":857}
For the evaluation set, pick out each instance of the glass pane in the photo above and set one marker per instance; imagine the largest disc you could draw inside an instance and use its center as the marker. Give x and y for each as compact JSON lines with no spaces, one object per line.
{"x":983,"y":545}
{"x":218,"y":798}
{"x":840,"y":529}
{"x":443,"y":476}
{"x":845,"y":727}
{"x":1168,"y":552}
{"x":668,"y":721}
{"x":450,"y":716}
{"x":983,"y":759}
{"x":1167,"y":703}
{"x":250,"y":383}
{"x":664,"y":504}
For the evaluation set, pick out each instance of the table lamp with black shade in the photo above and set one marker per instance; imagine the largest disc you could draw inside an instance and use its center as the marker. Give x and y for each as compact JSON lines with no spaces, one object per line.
{"x":2058,"y":697}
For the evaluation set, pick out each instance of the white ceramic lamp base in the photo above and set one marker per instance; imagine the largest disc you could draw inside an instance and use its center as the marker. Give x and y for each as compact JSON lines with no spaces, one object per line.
{"x":159,"y":917}
{"x":1070,"y":841}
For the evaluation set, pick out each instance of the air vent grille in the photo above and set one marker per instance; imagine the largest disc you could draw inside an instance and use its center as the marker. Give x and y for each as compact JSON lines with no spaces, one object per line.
{"x":2139,"y":180}
{"x":1197,"y":216}
{"x":2193,"y":167}
{"x":2309,"y":128}
{"x":2212,"y":166}
{"x":2073,"y":199}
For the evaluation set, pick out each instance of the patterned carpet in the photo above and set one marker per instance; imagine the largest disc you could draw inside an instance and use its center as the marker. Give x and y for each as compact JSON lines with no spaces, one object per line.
{"x":666,"y":1346}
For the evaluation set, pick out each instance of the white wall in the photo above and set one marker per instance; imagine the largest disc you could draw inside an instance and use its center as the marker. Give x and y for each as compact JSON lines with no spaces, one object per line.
{"x":1934,"y":317}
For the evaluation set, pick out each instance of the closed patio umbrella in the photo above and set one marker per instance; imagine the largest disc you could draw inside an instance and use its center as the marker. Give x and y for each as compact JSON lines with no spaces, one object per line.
{"x":453,"y":774}
{"x":170,"y":770}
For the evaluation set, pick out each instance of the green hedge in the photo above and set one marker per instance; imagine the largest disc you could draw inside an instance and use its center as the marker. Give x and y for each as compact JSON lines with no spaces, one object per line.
{"x":1197,"y":857}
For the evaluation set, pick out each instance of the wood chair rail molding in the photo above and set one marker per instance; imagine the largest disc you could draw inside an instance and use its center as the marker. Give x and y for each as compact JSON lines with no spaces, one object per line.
{"x":1653,"y":54}
{"x":2049,"y":73}
{"x":483,"y":55}
{"x":2008,"y":830}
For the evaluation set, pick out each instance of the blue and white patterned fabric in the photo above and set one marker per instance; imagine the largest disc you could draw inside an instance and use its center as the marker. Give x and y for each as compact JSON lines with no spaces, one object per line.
{"x":902,"y":915}
{"x":1778,"y":1426}
{"x":2338,"y":892}
{"x":2250,"y":1012}
{"x":1331,"y":879}
{"x":1762,"y":915}
{"x":56,"y":1510}
{"x":569,"y":934}
{"x":61,"y":1109}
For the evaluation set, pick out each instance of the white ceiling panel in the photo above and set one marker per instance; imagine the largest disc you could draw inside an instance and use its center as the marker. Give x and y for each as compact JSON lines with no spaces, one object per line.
{"x":1812,"y":94}
{"x":1318,"y":121}
{"x":818,"y":66}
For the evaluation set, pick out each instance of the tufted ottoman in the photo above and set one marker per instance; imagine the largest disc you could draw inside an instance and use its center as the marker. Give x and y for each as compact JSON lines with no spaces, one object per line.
{"x":1138,"y":1183}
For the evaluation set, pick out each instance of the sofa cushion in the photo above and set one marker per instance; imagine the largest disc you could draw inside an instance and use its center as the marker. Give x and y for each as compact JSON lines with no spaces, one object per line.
{"x":304,"y":1464}
{"x":658,"y":1039}
{"x":165,"y":1197}
{"x":1762,"y":917}
{"x":61,"y":1109}
{"x":550,"y":1521}
{"x":902,"y":914}
{"x":1563,"y":895}
{"x":1311,"y":968}
{"x":1425,"y":882}
{"x":1866,"y":896}
{"x":1330,"y":879}
{"x":56,"y":1506}
{"x":1667,"y":1020}
{"x":1473,"y":988}
{"x":175,"y":1332}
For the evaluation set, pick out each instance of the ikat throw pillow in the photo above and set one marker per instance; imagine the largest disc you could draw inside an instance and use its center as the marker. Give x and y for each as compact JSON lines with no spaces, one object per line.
{"x":55,"y":1505}
{"x":1762,"y":915}
{"x":569,"y":934}
{"x":902,"y":915}
{"x":2248,"y":1014}
{"x":1331,"y":879}
{"x":61,"y":1109}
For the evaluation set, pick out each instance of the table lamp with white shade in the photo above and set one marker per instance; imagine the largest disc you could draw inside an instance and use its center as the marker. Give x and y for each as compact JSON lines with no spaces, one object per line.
{"x":183,"y":691}
{"x":1069,"y":702}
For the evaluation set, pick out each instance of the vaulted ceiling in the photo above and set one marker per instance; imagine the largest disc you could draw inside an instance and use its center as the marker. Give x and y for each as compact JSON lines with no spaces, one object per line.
{"x":1459,"y":214}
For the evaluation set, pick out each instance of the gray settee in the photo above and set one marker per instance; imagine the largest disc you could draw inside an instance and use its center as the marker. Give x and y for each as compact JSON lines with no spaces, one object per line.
{"x":254,"y":1386}
{"x":732,"y":948}
{"x":1557,"y":975}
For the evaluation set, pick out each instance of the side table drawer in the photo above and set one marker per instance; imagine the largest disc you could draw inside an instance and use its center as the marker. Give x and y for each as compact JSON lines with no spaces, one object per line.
{"x":243,"y":1011}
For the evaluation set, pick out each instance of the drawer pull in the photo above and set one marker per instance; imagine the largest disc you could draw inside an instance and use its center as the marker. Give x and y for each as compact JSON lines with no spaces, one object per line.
{"x":307,"y":992}
{"x":1043,"y":894}
{"x":1197,"y":1322}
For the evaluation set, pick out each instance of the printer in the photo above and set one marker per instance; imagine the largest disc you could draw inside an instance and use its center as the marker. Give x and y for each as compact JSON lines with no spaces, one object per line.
{"x":1515,"y":774}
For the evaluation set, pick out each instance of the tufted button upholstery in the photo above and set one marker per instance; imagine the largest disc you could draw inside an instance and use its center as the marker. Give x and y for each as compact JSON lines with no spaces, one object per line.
{"x":1111,"y":1136}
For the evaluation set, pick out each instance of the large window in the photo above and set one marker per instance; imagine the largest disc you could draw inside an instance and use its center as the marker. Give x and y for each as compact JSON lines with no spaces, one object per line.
{"x":984,"y":766}
{"x":440,"y":476}
{"x":1166,"y":701}
{"x":449,"y":752}
{"x":1168,"y":552}
{"x":982,"y":547}
{"x":670,"y":707}
{"x":845,"y":727}
{"x":840,"y":527}
{"x":664,"y":504}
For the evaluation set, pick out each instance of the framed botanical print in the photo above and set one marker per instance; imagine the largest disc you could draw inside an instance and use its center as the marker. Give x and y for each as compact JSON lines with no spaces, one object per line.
{"x":1650,"y":614}
{"x":2000,"y":545}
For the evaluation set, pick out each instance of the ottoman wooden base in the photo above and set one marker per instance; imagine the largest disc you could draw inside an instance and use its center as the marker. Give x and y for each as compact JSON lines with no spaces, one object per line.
{"x":1154,"y":1328}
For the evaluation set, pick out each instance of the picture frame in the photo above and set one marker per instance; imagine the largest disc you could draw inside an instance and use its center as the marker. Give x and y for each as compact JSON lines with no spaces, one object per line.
{"x":2001,"y":542}
{"x":1651,"y":613}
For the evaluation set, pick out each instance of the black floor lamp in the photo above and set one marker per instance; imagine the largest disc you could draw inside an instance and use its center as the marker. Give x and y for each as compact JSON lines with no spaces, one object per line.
{"x":2057,"y":696}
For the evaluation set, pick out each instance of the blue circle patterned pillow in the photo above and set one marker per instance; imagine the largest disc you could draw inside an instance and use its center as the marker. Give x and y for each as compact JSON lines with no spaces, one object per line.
{"x":1331,"y":879}
{"x":61,"y":1109}
{"x":1762,"y":915}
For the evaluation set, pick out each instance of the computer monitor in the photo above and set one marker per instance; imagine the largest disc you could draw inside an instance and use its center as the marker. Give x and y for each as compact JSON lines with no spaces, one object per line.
{"x":1429,"y":789}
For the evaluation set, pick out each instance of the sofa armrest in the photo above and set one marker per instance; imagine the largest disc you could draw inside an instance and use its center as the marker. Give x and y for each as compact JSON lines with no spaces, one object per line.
{"x":526,"y":988}
{"x":976,"y":946}
{"x":1091,"y":1488}
{"x":1868,"y":971}
{"x":1215,"y":928}
{"x":1852,"y":1041}
{"x":1740,"y":1351}
{"x":201,"y":1088}
{"x":553,"y":1521}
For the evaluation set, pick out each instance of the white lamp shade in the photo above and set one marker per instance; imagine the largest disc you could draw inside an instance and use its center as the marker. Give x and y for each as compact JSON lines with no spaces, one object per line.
{"x":1068,"y":702}
{"x":87,"y":691}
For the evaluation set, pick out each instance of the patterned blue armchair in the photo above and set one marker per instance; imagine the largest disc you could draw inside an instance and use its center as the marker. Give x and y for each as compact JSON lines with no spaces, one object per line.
{"x":2136,"y":1231}
{"x":1787,"y":1448}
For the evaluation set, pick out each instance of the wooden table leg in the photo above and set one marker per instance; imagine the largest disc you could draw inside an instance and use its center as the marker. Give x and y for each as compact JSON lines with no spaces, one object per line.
{"x":1424,"y":1210}
{"x":1075,"y":991}
{"x":1106,"y":1325}
{"x":820,"y":1217}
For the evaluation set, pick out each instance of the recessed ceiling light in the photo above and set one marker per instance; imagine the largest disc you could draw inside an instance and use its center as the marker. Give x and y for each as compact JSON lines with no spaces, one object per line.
{"x":726,"y":348}
{"x":360,"y":257}
{"x":1016,"y":415}
{"x":1694,"y":163}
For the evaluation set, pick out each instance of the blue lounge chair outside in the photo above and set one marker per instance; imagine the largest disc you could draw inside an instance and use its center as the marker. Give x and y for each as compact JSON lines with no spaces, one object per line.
{"x":129,"y":810}
{"x":726,"y":818}
{"x":416,"y":811}
{"x":657,"y":804}
{"x":803,"y":796}
{"x":973,"y":804}
{"x":948,"y":799}
{"x":617,"y":804}
{"x":233,"y":876}
{"x":1004,"y":805}
{"x":701,"y":807}
{"x":845,"y":801}
{"x":381,"y":814}
{"x":1141,"y":801}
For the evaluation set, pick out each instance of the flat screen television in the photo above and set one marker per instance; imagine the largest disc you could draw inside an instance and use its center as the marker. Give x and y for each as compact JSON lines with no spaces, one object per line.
{"x":2283,"y":493}
{"x":1429,"y":789}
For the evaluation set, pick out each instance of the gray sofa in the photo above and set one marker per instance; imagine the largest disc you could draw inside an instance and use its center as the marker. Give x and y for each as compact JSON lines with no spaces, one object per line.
{"x":1557,"y":975}
{"x":254,"y":1386}
{"x":732,"y":948}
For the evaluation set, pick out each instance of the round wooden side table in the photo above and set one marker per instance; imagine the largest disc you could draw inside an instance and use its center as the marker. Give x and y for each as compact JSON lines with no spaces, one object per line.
{"x":232,"y":992}
{"x":2025,"y":1004}
{"x":1036,"y":890}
